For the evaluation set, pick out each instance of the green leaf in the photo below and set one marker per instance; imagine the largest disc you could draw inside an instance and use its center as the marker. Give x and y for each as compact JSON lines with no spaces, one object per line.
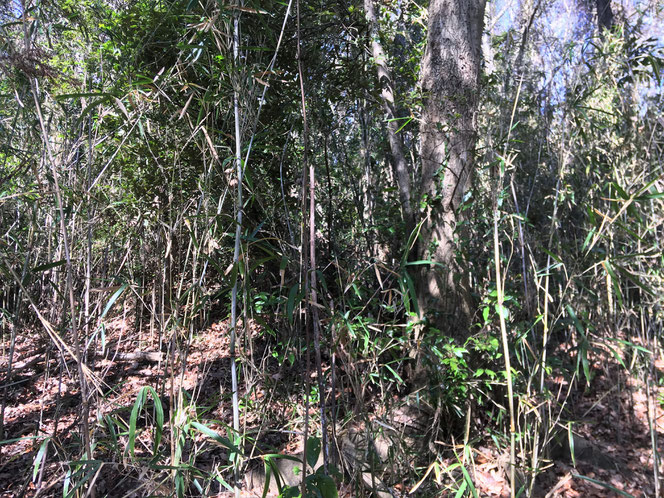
{"x":87,"y":469}
{"x":462,"y":490}
{"x":588,"y":238}
{"x":604,"y":485}
{"x":66,"y":96}
{"x":570,"y":439}
{"x":138,"y":404}
{"x":617,"y":356}
{"x":555,"y":258}
{"x":38,"y":458}
{"x":90,"y":107}
{"x":221,"y":481}
{"x":48,"y":266}
{"x":425,"y":262}
{"x":290,"y":492}
{"x":469,"y":480}
{"x":621,"y":191}
{"x":312,"y":451}
{"x":502,"y":311}
{"x":614,"y":280}
{"x":292,"y":301}
{"x":634,"y":279}
{"x":179,"y":485}
{"x":268,"y":475}
{"x":325,"y":485}
{"x":575,"y":320}
{"x":216,"y":437}
{"x":114,"y":298}
{"x":14,"y":440}
{"x":110,"y":426}
{"x":159,"y":413}
{"x":159,"y":428}
{"x":583,"y":356}
{"x":411,"y":296}
{"x":276,"y":456}
{"x":631,"y":345}
{"x":396,"y":375}
{"x":653,"y":195}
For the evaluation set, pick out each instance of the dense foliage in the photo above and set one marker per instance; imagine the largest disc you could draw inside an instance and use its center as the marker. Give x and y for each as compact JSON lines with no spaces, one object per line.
{"x":119,"y":199}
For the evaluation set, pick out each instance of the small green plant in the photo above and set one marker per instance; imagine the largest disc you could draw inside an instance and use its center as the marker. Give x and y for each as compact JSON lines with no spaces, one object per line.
{"x":462,"y":370}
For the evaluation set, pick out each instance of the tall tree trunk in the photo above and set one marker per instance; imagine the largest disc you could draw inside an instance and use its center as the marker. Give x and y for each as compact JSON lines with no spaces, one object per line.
{"x":450,"y":84}
{"x":385,"y":81}
{"x":604,"y":14}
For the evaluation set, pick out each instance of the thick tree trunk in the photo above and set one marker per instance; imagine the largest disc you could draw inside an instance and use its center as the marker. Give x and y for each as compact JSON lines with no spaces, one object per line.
{"x":604,"y":14}
{"x":385,"y":81}
{"x":450,"y":84}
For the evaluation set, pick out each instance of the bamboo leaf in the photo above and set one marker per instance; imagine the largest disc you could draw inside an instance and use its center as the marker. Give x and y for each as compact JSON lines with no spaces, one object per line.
{"x":79,"y":95}
{"x":614,"y":280}
{"x":425,"y":262}
{"x":138,"y":404}
{"x":634,"y":279}
{"x":570,"y":439}
{"x":462,"y":489}
{"x":469,"y":480}
{"x":48,"y":266}
{"x":577,"y":324}
{"x":114,"y":298}
{"x":292,"y":301}
{"x":604,"y":485}
{"x":38,"y":458}
{"x":218,"y":438}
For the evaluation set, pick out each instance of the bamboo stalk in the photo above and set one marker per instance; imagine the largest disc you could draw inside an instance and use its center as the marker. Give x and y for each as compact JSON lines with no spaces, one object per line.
{"x":236,"y":249}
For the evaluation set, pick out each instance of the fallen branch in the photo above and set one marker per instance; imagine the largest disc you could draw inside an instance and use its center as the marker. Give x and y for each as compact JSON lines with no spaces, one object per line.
{"x":136,"y":356}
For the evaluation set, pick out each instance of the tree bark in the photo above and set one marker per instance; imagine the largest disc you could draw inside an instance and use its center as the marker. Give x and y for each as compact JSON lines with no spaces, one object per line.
{"x":604,"y":14}
{"x":385,"y":81}
{"x":450,"y":85}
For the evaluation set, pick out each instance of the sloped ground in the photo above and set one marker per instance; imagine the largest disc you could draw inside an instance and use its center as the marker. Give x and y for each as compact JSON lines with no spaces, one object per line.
{"x":613,"y":440}
{"x":613,"y":423}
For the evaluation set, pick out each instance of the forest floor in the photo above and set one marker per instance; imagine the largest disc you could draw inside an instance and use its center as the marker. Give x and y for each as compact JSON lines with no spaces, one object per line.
{"x":614,"y":448}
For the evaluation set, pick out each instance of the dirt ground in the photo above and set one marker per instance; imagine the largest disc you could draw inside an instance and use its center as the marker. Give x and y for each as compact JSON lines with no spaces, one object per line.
{"x":612,"y":434}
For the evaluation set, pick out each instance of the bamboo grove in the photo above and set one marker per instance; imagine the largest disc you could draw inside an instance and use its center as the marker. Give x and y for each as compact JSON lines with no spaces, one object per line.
{"x":327,"y":248}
